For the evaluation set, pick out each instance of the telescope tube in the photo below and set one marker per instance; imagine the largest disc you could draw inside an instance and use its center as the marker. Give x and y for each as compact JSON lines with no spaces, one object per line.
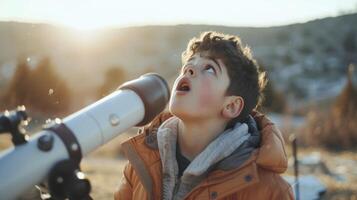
{"x":135,"y":103}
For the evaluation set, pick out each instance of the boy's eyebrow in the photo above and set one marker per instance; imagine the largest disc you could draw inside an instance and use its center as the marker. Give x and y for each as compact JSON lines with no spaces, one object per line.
{"x":208,"y":57}
{"x":215,"y":61}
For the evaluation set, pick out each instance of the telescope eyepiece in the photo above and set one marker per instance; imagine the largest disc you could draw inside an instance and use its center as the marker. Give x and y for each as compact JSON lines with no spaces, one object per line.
{"x":153,"y":91}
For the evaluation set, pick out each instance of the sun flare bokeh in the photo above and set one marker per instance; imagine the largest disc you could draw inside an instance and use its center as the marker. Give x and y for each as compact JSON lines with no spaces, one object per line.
{"x":93,"y":14}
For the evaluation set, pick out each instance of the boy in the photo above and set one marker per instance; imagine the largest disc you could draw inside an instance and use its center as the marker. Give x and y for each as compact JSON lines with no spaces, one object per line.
{"x":211,"y":145}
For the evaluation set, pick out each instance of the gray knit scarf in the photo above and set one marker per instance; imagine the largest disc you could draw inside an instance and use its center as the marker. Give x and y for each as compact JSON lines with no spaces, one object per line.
{"x":224,"y":145}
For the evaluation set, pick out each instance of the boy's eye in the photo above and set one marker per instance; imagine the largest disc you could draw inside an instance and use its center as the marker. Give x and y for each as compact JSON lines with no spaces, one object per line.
{"x":210,"y":69}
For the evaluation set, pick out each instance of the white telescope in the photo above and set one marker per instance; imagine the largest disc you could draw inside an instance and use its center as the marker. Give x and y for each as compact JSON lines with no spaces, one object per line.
{"x":135,"y":103}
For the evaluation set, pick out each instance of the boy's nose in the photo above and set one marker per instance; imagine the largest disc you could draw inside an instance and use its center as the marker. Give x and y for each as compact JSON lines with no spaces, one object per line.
{"x":190,"y":71}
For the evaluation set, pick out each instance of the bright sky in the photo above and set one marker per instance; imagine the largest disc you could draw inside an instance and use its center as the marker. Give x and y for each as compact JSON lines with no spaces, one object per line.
{"x":89,"y":14}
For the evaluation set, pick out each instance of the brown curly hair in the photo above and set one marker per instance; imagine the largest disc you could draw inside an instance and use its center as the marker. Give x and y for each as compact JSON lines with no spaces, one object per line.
{"x":246,"y":79}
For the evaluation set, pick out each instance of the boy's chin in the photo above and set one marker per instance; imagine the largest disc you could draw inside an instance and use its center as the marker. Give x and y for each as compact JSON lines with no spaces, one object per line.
{"x":184,"y":115}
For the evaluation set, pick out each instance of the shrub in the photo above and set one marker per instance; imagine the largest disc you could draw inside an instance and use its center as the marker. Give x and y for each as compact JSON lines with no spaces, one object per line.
{"x":337,"y":128}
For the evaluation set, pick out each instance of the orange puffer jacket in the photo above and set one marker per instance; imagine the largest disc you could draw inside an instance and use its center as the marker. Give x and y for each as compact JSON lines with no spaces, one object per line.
{"x":258,"y":178}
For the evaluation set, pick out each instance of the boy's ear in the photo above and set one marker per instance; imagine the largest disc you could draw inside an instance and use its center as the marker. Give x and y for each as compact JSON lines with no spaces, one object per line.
{"x":232,"y":107}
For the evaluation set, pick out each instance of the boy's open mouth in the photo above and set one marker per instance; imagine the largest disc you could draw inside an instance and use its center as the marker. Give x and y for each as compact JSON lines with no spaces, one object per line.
{"x":183,"y":85}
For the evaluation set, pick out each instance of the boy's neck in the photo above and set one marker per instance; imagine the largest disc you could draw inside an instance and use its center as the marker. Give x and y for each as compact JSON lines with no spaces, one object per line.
{"x":194,"y":136}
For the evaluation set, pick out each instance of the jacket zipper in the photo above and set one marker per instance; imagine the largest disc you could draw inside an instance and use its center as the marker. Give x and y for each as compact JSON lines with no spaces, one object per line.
{"x":177,"y":186}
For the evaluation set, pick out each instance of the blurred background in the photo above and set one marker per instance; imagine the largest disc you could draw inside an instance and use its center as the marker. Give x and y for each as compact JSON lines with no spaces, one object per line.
{"x":56,"y":57}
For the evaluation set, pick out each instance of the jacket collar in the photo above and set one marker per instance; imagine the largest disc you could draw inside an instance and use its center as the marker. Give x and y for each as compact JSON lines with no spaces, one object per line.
{"x":271,"y":156}
{"x":233,"y":144}
{"x":221,"y":147}
{"x":239,"y":178}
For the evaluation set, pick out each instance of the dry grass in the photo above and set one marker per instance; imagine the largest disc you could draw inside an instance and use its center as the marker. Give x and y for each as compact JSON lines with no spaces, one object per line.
{"x":104,"y":168}
{"x":104,"y":174}
{"x":5,"y":141}
{"x":339,"y":164}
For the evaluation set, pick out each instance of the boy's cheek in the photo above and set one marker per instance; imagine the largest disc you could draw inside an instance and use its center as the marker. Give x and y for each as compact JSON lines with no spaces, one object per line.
{"x":206,"y":94}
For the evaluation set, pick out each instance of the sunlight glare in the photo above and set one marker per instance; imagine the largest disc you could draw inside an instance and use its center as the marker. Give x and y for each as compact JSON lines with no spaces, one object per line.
{"x":82,"y":24}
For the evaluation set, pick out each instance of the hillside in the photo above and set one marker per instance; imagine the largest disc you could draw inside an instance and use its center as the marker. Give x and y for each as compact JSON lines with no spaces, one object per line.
{"x":306,"y":61}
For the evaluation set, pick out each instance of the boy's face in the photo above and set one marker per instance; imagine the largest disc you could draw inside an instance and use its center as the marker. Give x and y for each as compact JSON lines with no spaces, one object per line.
{"x":199,"y":90}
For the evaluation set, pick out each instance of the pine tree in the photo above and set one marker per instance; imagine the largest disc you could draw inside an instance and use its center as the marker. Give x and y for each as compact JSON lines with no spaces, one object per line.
{"x":350,"y":43}
{"x":49,"y":94}
{"x":17,"y":92}
{"x":346,"y":103}
{"x":339,"y":130}
{"x":113,"y":78}
{"x":341,"y":126}
{"x":336,"y":129}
